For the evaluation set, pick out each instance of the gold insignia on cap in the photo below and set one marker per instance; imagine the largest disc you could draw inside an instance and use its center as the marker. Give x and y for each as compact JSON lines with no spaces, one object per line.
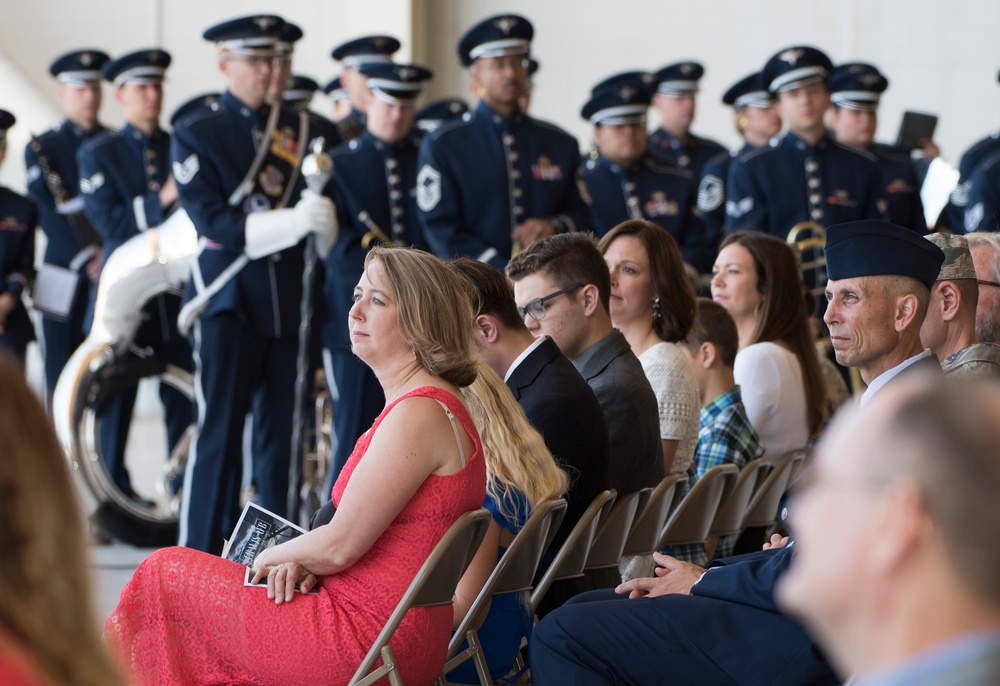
{"x":791,"y":56}
{"x":505,"y":24}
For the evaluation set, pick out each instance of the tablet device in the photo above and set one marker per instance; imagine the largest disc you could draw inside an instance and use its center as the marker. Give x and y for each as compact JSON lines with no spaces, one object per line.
{"x":916,"y":126}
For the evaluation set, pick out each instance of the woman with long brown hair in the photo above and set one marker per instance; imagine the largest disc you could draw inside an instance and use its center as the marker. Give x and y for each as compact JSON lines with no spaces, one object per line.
{"x":757,"y":279}
{"x":48,"y":630}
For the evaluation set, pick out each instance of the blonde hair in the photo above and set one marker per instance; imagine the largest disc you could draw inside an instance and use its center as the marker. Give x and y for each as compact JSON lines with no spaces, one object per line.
{"x":516,"y":456}
{"x":434,"y":311}
{"x":45,"y":591}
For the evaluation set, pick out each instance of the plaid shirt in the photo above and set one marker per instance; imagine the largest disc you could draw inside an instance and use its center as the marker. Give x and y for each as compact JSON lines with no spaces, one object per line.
{"x":724,"y":437}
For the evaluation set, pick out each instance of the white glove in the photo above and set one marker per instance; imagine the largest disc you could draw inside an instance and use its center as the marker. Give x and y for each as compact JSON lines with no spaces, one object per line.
{"x":268,"y":232}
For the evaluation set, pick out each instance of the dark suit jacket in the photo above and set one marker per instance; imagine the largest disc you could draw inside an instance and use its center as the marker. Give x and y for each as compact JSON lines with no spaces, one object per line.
{"x":560,"y":404}
{"x":631,"y":411}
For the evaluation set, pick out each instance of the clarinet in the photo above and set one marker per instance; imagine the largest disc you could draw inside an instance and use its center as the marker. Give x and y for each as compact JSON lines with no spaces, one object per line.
{"x":82,"y":228}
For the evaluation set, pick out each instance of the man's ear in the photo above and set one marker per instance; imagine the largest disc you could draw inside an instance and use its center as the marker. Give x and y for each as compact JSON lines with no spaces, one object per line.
{"x":591,"y":299}
{"x":707,"y":355}
{"x":906,"y":312}
{"x":486,"y":329}
{"x":951,"y":299}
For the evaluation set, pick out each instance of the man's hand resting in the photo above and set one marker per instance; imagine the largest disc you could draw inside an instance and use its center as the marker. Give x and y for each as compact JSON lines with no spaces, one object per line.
{"x":672,"y":576}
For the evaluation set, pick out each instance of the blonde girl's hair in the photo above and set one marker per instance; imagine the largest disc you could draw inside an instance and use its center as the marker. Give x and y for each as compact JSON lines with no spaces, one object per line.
{"x":516,"y":456}
{"x":45,"y":591}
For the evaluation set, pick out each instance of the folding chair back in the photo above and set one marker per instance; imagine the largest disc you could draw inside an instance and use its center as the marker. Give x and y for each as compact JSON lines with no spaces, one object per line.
{"x":613,"y":531}
{"x":515,"y":572}
{"x":762,"y":510}
{"x":653,"y":516}
{"x":571,"y":559}
{"x":691,"y":521}
{"x":729,"y":519}
{"x":433,"y":585}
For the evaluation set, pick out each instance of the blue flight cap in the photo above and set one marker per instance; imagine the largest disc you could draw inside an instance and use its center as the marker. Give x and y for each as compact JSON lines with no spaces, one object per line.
{"x":253,"y":35}
{"x":748,"y":92}
{"x":200,"y":103}
{"x":620,"y":99}
{"x":857,"y":86}
{"x":299,"y":88}
{"x":80,"y":67}
{"x":141,"y":66}
{"x":431,"y":116}
{"x":6,"y":121}
{"x":795,"y":67}
{"x":679,"y":78}
{"x":395,"y":83}
{"x":876,"y":248}
{"x":365,"y":50}
{"x":504,"y":34}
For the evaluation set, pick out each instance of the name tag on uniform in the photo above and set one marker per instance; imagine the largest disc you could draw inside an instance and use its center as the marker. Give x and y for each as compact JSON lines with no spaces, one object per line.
{"x":55,"y":290}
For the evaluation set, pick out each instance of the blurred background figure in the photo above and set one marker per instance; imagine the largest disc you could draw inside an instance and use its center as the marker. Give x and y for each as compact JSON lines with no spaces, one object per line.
{"x":48,"y":631}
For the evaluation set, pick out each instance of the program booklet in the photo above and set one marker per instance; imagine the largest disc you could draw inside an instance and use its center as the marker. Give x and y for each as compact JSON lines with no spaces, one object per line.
{"x":256,"y":531}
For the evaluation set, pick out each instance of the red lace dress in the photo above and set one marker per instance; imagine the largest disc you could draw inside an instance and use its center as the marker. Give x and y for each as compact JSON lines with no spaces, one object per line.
{"x":186,"y":618}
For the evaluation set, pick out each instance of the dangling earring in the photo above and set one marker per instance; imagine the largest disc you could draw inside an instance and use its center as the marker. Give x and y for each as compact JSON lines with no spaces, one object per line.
{"x":480,"y":92}
{"x":743,"y":121}
{"x":656,"y":308}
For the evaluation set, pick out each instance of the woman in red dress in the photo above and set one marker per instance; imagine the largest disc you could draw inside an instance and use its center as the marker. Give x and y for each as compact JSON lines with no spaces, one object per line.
{"x":185,"y":617}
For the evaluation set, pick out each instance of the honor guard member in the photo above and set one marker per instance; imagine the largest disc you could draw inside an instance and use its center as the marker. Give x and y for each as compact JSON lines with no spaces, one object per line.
{"x":374,"y":188}
{"x":804,"y":175}
{"x":757,"y":122}
{"x":953,"y":215}
{"x":982,"y":209}
{"x":353,"y":54}
{"x":498,"y":177}
{"x":855,"y":89}
{"x":298,"y":93}
{"x":237,"y":170}
{"x":18,"y":218}
{"x":340,"y":104}
{"x":53,"y":183}
{"x":434,"y":115}
{"x":625,"y":182}
{"x":127,"y":188}
{"x":676,"y":88}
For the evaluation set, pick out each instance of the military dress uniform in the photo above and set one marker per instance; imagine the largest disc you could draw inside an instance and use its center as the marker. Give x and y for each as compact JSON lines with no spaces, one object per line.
{"x":352,"y":54}
{"x":299,"y":92}
{"x":982,"y":210}
{"x":859,"y":86}
{"x":747,"y":92}
{"x":121,"y":174}
{"x":246,"y":311}
{"x":776,"y":187}
{"x":696,"y":151}
{"x":66,"y":242}
{"x":374,"y":187}
{"x":18,"y":219}
{"x":646,"y":189}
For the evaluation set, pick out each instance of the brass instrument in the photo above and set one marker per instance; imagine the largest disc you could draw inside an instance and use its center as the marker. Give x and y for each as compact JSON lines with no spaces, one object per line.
{"x":374,"y":236}
{"x":809,"y":238}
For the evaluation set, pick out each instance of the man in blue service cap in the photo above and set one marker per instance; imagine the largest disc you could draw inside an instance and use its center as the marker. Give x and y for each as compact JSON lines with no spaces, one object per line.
{"x":855,"y":91}
{"x":676,"y":88}
{"x":625,"y":181}
{"x":757,"y":122}
{"x":879,"y":288}
{"x":498,"y":179}
{"x":353,"y":54}
{"x":18,"y":219}
{"x":434,"y":115}
{"x":805,"y":175}
{"x":53,"y":183}
{"x":375,"y":190}
{"x":237,"y":170}
{"x":127,"y":188}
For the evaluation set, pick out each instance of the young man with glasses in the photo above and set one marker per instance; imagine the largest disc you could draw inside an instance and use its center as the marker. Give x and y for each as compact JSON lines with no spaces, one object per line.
{"x":498,"y":180}
{"x":562,"y":289}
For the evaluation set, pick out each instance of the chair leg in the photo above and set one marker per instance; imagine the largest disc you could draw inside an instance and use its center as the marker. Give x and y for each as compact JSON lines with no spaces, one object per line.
{"x":477,"y":656}
{"x":389,"y":660}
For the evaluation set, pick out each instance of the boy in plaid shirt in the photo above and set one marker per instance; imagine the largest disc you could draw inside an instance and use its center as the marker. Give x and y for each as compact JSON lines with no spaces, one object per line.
{"x":725,"y":435}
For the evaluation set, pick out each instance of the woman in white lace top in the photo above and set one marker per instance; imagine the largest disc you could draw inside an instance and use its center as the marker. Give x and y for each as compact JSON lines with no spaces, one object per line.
{"x":653,"y":305}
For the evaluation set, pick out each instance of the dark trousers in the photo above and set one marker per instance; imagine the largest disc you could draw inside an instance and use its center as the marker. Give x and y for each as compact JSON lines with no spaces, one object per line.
{"x":361,"y":401}
{"x":601,"y":637}
{"x":233,"y":364}
{"x":61,"y":339}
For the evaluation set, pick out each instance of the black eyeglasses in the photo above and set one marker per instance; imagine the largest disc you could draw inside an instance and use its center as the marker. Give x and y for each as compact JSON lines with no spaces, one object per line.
{"x":536,"y":308}
{"x":987,"y":283}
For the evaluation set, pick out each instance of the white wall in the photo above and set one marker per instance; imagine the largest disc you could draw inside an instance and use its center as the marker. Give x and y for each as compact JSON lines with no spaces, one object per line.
{"x":940,"y":57}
